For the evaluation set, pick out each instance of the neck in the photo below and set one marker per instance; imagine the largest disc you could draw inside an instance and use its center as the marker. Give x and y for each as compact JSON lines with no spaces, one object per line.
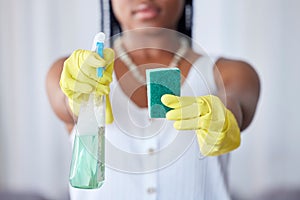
{"x":150,"y":39}
{"x":145,"y":56}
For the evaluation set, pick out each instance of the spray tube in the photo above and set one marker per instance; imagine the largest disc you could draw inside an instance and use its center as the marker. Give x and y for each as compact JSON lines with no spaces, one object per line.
{"x":88,"y":158}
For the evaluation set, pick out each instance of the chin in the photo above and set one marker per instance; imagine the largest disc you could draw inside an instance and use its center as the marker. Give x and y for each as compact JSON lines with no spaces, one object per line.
{"x":151,"y":29}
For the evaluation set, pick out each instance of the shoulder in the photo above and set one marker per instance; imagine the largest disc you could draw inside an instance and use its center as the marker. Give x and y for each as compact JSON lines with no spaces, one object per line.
{"x":239,"y":84}
{"x":56,"y":68}
{"x":236,"y":73}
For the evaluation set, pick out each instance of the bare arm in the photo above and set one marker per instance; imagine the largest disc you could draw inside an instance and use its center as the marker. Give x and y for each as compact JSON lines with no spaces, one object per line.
{"x":241,"y":89}
{"x":56,"y":97}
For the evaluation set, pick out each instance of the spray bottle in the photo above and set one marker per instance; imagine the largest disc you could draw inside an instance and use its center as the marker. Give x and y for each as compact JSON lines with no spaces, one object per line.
{"x":88,"y":158}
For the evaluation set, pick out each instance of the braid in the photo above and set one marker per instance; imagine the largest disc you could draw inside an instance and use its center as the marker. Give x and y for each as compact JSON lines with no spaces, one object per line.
{"x":115,"y":27}
{"x":185,"y":22}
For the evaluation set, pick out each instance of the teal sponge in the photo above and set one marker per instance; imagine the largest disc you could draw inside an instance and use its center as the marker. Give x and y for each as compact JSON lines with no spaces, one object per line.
{"x":161,"y":81}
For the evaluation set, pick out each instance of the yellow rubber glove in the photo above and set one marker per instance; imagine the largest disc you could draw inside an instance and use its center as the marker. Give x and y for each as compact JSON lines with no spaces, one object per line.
{"x":216,"y":127}
{"x":79,"y":78}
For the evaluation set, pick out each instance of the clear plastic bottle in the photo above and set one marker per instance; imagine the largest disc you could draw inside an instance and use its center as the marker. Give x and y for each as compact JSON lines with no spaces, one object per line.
{"x":88,"y":157}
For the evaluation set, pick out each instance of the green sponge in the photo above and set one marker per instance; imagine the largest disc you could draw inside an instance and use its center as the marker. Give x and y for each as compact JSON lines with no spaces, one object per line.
{"x":161,"y":81}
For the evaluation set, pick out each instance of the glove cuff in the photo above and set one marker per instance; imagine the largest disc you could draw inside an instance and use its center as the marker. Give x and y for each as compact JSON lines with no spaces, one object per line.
{"x":232,"y":133}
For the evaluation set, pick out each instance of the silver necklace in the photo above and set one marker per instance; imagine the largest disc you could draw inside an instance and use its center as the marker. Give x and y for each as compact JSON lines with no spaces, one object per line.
{"x":132,"y":66}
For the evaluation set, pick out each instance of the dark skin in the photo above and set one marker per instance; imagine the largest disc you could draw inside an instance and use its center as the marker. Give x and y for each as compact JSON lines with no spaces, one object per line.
{"x":237,"y":81}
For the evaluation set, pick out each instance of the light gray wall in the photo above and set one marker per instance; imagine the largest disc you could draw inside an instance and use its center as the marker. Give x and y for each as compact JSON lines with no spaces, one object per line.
{"x":34,"y":149}
{"x":266,"y":34}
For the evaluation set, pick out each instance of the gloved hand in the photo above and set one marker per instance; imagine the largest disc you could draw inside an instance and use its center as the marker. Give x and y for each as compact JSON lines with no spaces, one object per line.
{"x":79,"y":78}
{"x":216,"y":127}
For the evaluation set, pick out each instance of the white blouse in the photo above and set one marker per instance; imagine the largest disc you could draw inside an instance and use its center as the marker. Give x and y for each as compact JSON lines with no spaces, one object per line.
{"x":147,"y":159}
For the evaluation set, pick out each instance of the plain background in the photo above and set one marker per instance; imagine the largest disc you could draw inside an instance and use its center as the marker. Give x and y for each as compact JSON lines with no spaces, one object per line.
{"x":34,"y":147}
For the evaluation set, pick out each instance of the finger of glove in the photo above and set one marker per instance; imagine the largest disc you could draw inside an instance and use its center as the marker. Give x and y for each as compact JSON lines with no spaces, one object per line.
{"x":106,"y":78}
{"x":80,"y":60}
{"x":90,"y":65}
{"x":94,"y":61}
{"x":173,"y":101}
{"x":72,"y":71}
{"x":70,"y":86}
{"x":214,"y":106}
{"x":77,"y":86}
{"x":102,"y":90}
{"x":82,"y":78}
{"x":208,"y":123}
{"x":109,"y":57}
{"x":189,"y":124}
{"x":195,"y":124}
{"x":187,"y":112}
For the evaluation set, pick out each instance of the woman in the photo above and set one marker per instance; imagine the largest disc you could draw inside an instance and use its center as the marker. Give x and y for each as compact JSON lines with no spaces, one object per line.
{"x":159,"y":158}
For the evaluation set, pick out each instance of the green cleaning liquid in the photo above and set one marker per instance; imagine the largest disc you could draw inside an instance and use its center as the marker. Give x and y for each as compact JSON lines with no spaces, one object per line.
{"x":88,"y":160}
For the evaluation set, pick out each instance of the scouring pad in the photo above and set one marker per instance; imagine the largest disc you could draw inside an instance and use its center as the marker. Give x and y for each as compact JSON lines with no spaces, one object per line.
{"x":161,"y":81}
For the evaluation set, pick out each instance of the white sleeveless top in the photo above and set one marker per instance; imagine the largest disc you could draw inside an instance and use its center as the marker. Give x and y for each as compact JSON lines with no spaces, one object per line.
{"x":147,"y":159}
